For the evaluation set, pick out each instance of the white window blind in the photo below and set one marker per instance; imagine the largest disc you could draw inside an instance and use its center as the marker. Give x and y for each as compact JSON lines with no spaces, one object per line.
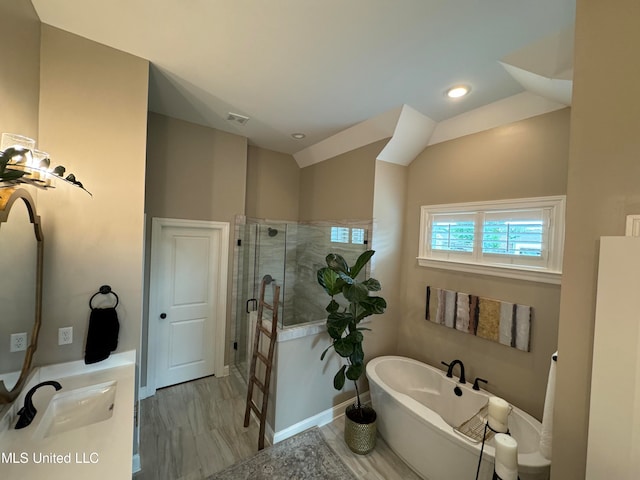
{"x":348,"y":235}
{"x":340,"y":234}
{"x":453,"y":232}
{"x":523,"y":234}
{"x":357,"y":236}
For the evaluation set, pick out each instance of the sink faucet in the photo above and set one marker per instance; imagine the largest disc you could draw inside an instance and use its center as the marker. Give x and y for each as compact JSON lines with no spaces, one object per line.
{"x":450,"y":369}
{"x":28,"y":412}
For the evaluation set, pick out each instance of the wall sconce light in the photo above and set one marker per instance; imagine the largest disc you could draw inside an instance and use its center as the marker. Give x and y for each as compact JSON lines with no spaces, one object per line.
{"x":21,"y":163}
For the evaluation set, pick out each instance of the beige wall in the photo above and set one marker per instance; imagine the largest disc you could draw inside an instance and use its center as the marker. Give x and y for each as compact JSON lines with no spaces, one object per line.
{"x":273,"y":185}
{"x":340,"y":188}
{"x":93,"y":104}
{"x":194,"y":172}
{"x":603,"y":187}
{"x":523,"y":159}
{"x":388,"y":232}
{"x":20,"y":74}
{"x":300,"y":358}
{"x":304,"y":383}
{"x":197,"y":173}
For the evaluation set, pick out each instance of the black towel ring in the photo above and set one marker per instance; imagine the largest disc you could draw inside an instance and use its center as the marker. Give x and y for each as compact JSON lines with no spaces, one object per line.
{"x":104,"y":290}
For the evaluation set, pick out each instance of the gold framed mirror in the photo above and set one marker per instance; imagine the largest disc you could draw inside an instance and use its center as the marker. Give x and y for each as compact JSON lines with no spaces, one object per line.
{"x":21,"y":252}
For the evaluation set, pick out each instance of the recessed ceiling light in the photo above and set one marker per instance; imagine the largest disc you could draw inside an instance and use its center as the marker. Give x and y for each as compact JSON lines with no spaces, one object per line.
{"x":298,"y":136}
{"x":458,"y":91}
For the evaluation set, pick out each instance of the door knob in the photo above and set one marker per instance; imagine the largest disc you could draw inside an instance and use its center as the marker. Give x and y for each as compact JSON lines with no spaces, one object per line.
{"x":163,"y":315}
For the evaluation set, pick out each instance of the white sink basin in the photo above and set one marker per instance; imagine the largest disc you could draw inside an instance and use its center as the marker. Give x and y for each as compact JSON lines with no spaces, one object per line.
{"x":78,"y":408}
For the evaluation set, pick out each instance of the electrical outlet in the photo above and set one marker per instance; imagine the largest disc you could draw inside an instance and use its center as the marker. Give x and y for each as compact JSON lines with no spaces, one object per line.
{"x":18,"y":342}
{"x":65,"y":335}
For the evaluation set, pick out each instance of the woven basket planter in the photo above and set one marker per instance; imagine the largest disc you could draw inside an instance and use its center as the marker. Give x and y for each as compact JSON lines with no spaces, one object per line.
{"x":360,"y":429}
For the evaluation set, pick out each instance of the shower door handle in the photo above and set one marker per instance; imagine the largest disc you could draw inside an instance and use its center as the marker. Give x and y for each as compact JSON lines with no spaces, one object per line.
{"x":255,"y":305}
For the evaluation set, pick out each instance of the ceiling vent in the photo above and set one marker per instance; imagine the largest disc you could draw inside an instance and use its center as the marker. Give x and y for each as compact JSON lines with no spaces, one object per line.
{"x":237,"y":118}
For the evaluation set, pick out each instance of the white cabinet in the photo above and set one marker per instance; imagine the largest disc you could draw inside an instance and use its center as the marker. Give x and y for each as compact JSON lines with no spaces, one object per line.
{"x":614,"y":418}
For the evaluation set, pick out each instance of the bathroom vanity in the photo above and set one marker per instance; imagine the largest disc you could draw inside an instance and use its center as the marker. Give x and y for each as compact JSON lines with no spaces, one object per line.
{"x":82,"y":431}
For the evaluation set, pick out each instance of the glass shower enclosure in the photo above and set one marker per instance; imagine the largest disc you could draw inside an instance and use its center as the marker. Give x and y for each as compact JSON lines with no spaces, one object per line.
{"x":291,"y":253}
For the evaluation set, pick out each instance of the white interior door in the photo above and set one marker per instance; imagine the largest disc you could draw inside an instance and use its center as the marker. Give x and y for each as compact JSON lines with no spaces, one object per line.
{"x":189,"y":301}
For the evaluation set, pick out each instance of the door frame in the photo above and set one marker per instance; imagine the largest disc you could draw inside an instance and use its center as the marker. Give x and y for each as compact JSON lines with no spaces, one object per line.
{"x":154,"y":309}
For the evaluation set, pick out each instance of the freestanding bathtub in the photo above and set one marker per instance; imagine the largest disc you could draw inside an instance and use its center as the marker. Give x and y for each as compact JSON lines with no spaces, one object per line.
{"x":418,"y":410}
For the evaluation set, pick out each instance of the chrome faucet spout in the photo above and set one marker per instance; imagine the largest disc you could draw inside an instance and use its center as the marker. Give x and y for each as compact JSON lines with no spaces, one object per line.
{"x":28,"y":412}
{"x":450,"y":369}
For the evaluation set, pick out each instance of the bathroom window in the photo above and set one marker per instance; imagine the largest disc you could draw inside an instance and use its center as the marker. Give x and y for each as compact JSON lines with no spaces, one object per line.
{"x":357,"y":236}
{"x":453,"y":232}
{"x":520,"y":238}
{"x":348,"y":235}
{"x":340,"y":234}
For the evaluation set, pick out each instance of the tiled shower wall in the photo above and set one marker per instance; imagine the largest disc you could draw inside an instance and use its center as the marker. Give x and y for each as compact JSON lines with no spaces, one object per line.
{"x":312,"y":246}
{"x":292,"y":256}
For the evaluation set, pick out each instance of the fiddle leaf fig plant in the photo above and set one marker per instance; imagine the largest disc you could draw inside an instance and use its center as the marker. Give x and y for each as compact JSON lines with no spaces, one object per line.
{"x":350,"y":303}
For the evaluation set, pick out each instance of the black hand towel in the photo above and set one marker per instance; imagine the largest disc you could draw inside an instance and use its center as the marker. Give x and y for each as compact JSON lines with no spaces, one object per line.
{"x":102,"y":338}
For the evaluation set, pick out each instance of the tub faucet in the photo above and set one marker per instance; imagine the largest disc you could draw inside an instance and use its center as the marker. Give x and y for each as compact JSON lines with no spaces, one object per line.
{"x":450,"y":369}
{"x":28,"y":412}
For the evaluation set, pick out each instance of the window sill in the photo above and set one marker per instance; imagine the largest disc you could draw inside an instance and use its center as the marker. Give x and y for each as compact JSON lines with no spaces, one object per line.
{"x":520,"y":273}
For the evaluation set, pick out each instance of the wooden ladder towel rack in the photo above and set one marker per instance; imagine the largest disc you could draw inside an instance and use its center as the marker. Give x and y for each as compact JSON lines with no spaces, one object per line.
{"x":271,"y":334}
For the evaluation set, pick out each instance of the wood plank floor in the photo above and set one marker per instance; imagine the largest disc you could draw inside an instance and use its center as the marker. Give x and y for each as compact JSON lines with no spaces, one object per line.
{"x":194,"y":429}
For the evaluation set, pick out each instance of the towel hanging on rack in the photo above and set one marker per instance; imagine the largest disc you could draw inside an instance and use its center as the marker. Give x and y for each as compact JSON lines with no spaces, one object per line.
{"x":102,"y":336}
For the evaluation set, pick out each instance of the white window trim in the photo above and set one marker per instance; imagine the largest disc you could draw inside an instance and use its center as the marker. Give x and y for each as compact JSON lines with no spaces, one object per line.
{"x":552,"y":273}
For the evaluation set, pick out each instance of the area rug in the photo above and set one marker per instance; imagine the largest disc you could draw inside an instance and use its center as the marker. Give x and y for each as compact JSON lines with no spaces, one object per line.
{"x":305,"y":456}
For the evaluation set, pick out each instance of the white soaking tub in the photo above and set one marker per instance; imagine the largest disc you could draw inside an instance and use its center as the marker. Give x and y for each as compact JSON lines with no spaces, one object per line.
{"x":418,"y":410}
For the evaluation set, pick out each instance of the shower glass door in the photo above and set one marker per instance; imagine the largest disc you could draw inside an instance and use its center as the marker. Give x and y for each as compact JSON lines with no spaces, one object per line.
{"x":262,"y":252}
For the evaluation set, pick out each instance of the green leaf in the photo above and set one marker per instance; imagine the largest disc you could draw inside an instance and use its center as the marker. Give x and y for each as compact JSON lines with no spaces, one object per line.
{"x":59,"y":170}
{"x":375,"y":305}
{"x":337,"y":263}
{"x":372,"y":284}
{"x":335,"y":331}
{"x":345,"y":278}
{"x":358,"y":311}
{"x":333,"y":306}
{"x":345,"y":317}
{"x":355,"y":337}
{"x":344,"y":347}
{"x":357,"y":357}
{"x":325,"y":352}
{"x":361,"y":262}
{"x":355,"y":292}
{"x":338,"y":380}
{"x":337,"y":323}
{"x":354,"y":372}
{"x":330,"y":281}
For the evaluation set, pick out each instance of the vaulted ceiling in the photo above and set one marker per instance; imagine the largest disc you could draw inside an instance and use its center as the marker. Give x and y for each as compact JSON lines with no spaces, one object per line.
{"x":345,"y":71}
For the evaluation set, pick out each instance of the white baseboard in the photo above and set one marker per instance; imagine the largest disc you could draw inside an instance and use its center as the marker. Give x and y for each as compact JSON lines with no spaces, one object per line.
{"x":136,"y":463}
{"x":225,"y":371}
{"x":145,"y":392}
{"x":318,"y":420}
{"x":268,"y":429}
